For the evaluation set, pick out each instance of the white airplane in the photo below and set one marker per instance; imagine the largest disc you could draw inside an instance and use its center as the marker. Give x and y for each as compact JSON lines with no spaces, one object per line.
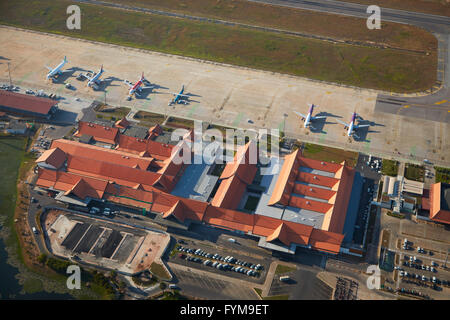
{"x":95,"y":80}
{"x":180,"y":97}
{"x":352,"y":126}
{"x":57,"y":70}
{"x":309,"y":117}
{"x":137,"y":88}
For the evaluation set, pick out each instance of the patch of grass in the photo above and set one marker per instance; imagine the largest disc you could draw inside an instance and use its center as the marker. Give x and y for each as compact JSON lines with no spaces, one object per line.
{"x":180,"y":123}
{"x":389,"y":168}
{"x":281,"y":268}
{"x":395,"y":215}
{"x":107,"y":112}
{"x":251,"y":204}
{"x":414,"y":172}
{"x":385,"y":69}
{"x":159,"y":271}
{"x":32,"y":285}
{"x":442,"y":174}
{"x":303,"y":21}
{"x":317,"y":152}
{"x":149,"y":118}
{"x":279,"y":297}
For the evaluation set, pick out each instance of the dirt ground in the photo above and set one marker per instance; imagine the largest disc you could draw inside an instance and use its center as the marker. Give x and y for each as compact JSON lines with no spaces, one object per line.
{"x":220,"y":94}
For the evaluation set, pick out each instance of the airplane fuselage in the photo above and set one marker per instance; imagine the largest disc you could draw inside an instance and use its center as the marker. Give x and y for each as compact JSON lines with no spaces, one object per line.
{"x":351,"y":126}
{"x":95,"y":78}
{"x":136,"y":87}
{"x":56,"y":70}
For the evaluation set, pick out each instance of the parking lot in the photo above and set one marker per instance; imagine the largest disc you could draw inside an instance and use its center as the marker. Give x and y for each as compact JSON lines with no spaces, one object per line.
{"x":218,"y":261}
{"x":420,"y":271}
{"x":206,"y":287}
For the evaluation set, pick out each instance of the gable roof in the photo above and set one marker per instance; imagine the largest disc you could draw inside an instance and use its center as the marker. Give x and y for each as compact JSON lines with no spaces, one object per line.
{"x":25,"y":102}
{"x":122,"y":123}
{"x":98,"y":132}
{"x":54,"y":157}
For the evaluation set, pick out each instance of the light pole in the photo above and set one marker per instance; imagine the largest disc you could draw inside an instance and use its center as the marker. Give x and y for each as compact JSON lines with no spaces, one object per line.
{"x":10,"y":81}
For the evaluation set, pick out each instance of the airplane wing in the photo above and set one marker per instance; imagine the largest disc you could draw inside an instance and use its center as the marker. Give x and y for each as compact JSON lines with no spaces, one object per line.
{"x":300,"y":114}
{"x":49,"y":69}
{"x":319,"y":117}
{"x":148,"y":87}
{"x":345,"y":124}
{"x":128,"y":83}
{"x":181,"y":95}
{"x":362,"y":126}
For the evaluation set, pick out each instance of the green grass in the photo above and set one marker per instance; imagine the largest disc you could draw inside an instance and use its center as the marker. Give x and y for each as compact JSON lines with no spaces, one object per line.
{"x":385,"y":69}
{"x":395,"y":215}
{"x":317,"y":152}
{"x":390,"y":168}
{"x":32,"y":285}
{"x":251,"y":204}
{"x":12,"y":155}
{"x":414,"y":172}
{"x":149,"y":118}
{"x":279,"y":297}
{"x":180,"y":122}
{"x":284,"y":269}
{"x":117,"y":114}
{"x":442,"y":174}
{"x":159,"y":271}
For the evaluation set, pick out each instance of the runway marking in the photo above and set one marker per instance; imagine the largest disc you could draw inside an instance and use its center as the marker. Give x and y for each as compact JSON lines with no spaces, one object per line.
{"x":24,"y":77}
{"x":192,"y":111}
{"x":406,"y":106}
{"x":328,"y":92}
{"x":238,"y":119}
{"x":441,"y":102}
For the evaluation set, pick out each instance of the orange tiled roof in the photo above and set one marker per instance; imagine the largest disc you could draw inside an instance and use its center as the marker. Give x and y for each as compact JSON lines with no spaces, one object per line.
{"x":144,"y":147}
{"x":54,"y":157}
{"x":436,"y":212}
{"x":319,"y":165}
{"x":69,"y":182}
{"x":229,"y":219}
{"x":312,"y":191}
{"x":317,"y":179}
{"x":98,"y":132}
{"x":326,"y":241}
{"x":122,"y":123}
{"x":309,"y":204}
{"x":102,"y":154}
{"x":235,"y":178}
{"x":286,"y":179}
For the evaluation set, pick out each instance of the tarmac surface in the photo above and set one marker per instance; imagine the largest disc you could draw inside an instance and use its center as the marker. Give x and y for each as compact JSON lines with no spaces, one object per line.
{"x":221,"y":94}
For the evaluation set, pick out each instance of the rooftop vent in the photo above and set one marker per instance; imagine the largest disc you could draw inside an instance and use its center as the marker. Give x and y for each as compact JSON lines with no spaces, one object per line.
{"x":310,"y":189}
{"x":315,"y":178}
{"x":322,"y":163}
{"x":307,"y":202}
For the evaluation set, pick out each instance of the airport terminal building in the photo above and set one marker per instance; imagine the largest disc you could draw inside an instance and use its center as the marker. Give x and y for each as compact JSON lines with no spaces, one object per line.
{"x":304,"y":205}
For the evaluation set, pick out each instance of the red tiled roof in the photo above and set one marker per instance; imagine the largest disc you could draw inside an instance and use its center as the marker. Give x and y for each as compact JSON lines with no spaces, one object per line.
{"x":326,"y":241}
{"x":101,"y":154}
{"x":144,"y":147}
{"x":235,"y":178}
{"x":54,"y":157}
{"x":317,"y":179}
{"x":286,"y":180}
{"x":436,"y":212}
{"x":229,"y":219}
{"x":122,"y":123}
{"x":69,"y":182}
{"x":98,"y":132}
{"x":319,"y":165}
{"x":312,"y":191}
{"x":26,"y":102}
{"x":109,"y":171}
{"x":309,"y":204}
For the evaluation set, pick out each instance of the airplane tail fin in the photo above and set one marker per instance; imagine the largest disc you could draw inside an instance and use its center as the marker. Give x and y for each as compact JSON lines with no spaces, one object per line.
{"x":65,"y":59}
{"x":142,"y":77}
{"x":101,"y":68}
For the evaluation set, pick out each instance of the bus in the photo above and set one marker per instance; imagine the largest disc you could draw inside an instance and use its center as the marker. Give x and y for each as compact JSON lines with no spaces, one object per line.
{"x":285,"y":278}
